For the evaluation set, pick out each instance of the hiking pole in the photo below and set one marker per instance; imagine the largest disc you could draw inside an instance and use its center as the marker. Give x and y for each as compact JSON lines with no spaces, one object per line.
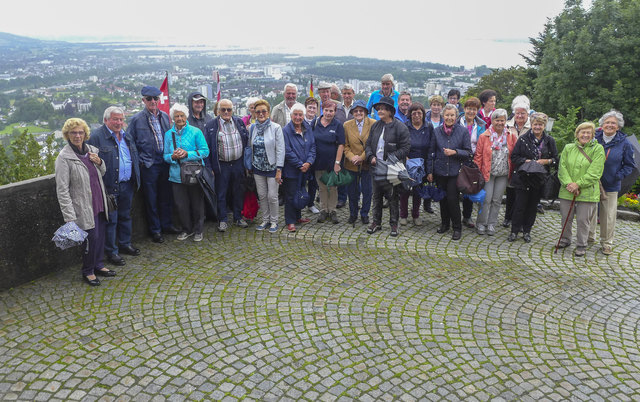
{"x":565,"y":223}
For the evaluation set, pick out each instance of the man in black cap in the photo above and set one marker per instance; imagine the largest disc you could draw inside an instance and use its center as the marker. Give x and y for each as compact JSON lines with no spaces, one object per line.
{"x":147,"y":129}
{"x":198,"y":116}
{"x":388,"y":136}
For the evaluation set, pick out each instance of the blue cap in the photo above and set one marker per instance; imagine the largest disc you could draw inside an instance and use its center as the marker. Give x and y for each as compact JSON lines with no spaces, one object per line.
{"x":359,"y":103}
{"x":150,"y":91}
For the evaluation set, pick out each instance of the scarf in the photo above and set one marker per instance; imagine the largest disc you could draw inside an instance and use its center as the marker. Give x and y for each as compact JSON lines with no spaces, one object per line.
{"x":498,"y":141}
{"x":262,"y":126}
{"x":79,"y":151}
{"x":447,"y":130}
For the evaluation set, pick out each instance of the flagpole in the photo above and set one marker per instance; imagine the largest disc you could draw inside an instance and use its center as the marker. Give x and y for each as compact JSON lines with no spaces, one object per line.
{"x":166,"y":77}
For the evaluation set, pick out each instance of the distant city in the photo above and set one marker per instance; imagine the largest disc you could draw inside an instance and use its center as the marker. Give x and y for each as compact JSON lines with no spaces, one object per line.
{"x":68,"y":79}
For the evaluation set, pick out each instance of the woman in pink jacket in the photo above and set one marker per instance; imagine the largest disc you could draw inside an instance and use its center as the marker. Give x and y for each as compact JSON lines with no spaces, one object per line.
{"x":493,"y":157}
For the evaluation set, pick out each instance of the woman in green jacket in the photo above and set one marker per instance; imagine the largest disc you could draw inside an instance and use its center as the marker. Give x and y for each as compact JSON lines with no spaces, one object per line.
{"x":581,"y":166}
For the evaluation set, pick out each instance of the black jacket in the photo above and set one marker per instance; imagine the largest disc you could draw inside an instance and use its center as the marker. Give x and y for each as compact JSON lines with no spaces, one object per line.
{"x":527,"y":148}
{"x":396,"y":140}
{"x":441,"y":165}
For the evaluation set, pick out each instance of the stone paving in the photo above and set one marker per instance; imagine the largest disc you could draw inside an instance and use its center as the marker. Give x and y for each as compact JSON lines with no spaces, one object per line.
{"x":331,"y":313}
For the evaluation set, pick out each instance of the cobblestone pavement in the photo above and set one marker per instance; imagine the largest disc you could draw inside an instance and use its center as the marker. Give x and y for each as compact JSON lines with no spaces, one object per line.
{"x":331,"y":313}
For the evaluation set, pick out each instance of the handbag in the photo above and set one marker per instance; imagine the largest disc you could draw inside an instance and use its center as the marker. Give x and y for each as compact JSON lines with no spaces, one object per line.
{"x":551,"y":186}
{"x":189,"y":170}
{"x":470,"y":179}
{"x":603,"y":192}
{"x":112,"y":203}
{"x":301,"y":197}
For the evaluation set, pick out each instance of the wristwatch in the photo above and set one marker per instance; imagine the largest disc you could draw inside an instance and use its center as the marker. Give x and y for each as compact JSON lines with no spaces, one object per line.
{"x":337,"y":162}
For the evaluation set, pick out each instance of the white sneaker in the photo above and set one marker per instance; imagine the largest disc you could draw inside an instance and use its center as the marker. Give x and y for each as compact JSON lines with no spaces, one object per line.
{"x":480,"y":229}
{"x":273,"y":228}
{"x":222,"y":227}
{"x":184,"y":236}
{"x":417,"y":221}
{"x":262,"y":226}
{"x":403,"y":221}
{"x":313,"y":209}
{"x":198,"y":237}
{"x":491,"y":230}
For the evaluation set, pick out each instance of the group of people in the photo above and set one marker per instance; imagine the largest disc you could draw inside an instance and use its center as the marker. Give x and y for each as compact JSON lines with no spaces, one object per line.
{"x":293,"y":147}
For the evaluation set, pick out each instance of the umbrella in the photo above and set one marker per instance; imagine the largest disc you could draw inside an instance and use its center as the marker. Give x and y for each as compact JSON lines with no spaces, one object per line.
{"x":430,"y":191}
{"x":391,"y":172}
{"x":630,"y":179}
{"x":207,"y":183}
{"x":532,"y":174}
{"x":69,"y":235}
{"x":415,"y":167}
{"x":564,"y":226}
{"x":477,"y":198}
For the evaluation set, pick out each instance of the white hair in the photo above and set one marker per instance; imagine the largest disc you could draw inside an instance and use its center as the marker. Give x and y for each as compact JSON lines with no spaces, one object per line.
{"x":251,"y":101}
{"x":612,"y":113}
{"x":291,"y":85}
{"x":299,"y":107}
{"x":499,"y":113}
{"x":520,"y":102}
{"x":348,"y":87}
{"x":111,"y":110}
{"x":178,"y":107}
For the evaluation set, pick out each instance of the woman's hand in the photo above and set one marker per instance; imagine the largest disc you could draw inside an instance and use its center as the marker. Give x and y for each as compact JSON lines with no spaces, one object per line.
{"x":430,"y":178}
{"x":573,"y":188}
{"x":373,"y":161}
{"x":95,"y":158}
{"x":356,"y":160}
{"x":336,"y":168}
{"x":544,"y":161}
{"x":449,"y":152}
{"x":179,"y":154}
{"x":305,"y":166}
{"x":278,"y":176}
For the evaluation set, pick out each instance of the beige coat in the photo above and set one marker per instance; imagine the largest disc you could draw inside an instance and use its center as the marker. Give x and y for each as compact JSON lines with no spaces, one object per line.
{"x":354,"y":142}
{"x":74,"y":190}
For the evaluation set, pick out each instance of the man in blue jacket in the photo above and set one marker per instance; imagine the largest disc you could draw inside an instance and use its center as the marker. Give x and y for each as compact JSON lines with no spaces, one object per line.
{"x":147,"y":129}
{"x":227,"y":137}
{"x":122,"y":178}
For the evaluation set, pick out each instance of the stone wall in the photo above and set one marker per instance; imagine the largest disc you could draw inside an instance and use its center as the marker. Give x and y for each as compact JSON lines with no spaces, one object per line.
{"x":29,"y":215}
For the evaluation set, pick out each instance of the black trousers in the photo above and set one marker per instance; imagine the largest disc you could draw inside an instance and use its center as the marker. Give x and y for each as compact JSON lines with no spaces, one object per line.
{"x":525,"y":209}
{"x":450,"y":205}
{"x":511,"y":199}
{"x":392,"y":193}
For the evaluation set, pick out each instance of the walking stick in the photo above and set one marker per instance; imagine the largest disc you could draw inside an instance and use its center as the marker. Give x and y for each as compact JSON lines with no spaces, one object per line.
{"x":565,"y":223}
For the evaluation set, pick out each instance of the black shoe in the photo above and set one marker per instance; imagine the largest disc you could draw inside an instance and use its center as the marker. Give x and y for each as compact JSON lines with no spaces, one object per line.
{"x":526,"y":237}
{"x":334,"y":217}
{"x":443,"y":229}
{"x":468,"y":223}
{"x":130,"y":250}
{"x":108,"y":272}
{"x":429,"y":210}
{"x":341,"y":204}
{"x":374,"y":227}
{"x":91,"y":282}
{"x":157,"y":238}
{"x":365,"y":220}
{"x":540,"y":209}
{"x":385,"y":203}
{"x":171,"y":230}
{"x":280,"y":201}
{"x":512,"y":236}
{"x":115,"y":259}
{"x":456,"y":235}
{"x":394,"y":230}
{"x":352,"y":219}
{"x":322,"y":217}
{"x":506,"y":223}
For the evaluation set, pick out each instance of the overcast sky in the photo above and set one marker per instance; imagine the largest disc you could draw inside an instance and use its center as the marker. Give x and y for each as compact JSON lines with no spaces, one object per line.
{"x":455,"y":32}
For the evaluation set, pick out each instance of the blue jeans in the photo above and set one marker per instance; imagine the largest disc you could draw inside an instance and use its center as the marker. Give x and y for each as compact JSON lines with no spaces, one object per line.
{"x":118,"y":231}
{"x":290,"y":185}
{"x":230,"y":173}
{"x":158,"y":197}
{"x":361,"y":184}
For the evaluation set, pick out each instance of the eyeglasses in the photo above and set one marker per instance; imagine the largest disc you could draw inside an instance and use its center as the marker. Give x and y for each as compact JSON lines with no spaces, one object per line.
{"x":76,"y":133}
{"x":261,"y":111}
{"x":226,"y":109}
{"x":151,"y":98}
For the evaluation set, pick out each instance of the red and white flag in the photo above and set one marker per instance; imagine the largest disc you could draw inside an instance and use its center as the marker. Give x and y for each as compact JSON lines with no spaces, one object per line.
{"x":216,"y":77}
{"x":163,"y":103}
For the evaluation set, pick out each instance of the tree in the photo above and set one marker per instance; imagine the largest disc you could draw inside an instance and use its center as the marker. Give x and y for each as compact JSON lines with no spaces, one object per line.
{"x":23,"y":159}
{"x":590,"y":58}
{"x":508,"y":83}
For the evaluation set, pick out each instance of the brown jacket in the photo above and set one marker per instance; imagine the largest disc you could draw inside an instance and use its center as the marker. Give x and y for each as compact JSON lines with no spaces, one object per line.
{"x":354,"y":143}
{"x":74,"y":190}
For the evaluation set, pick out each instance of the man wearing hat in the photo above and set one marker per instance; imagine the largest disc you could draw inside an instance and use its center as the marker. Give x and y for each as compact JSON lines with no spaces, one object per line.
{"x":147,"y":129}
{"x":389,"y":136}
{"x":324,"y":90}
{"x":198,"y":116}
{"x":387,"y":89}
{"x":356,"y":133}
